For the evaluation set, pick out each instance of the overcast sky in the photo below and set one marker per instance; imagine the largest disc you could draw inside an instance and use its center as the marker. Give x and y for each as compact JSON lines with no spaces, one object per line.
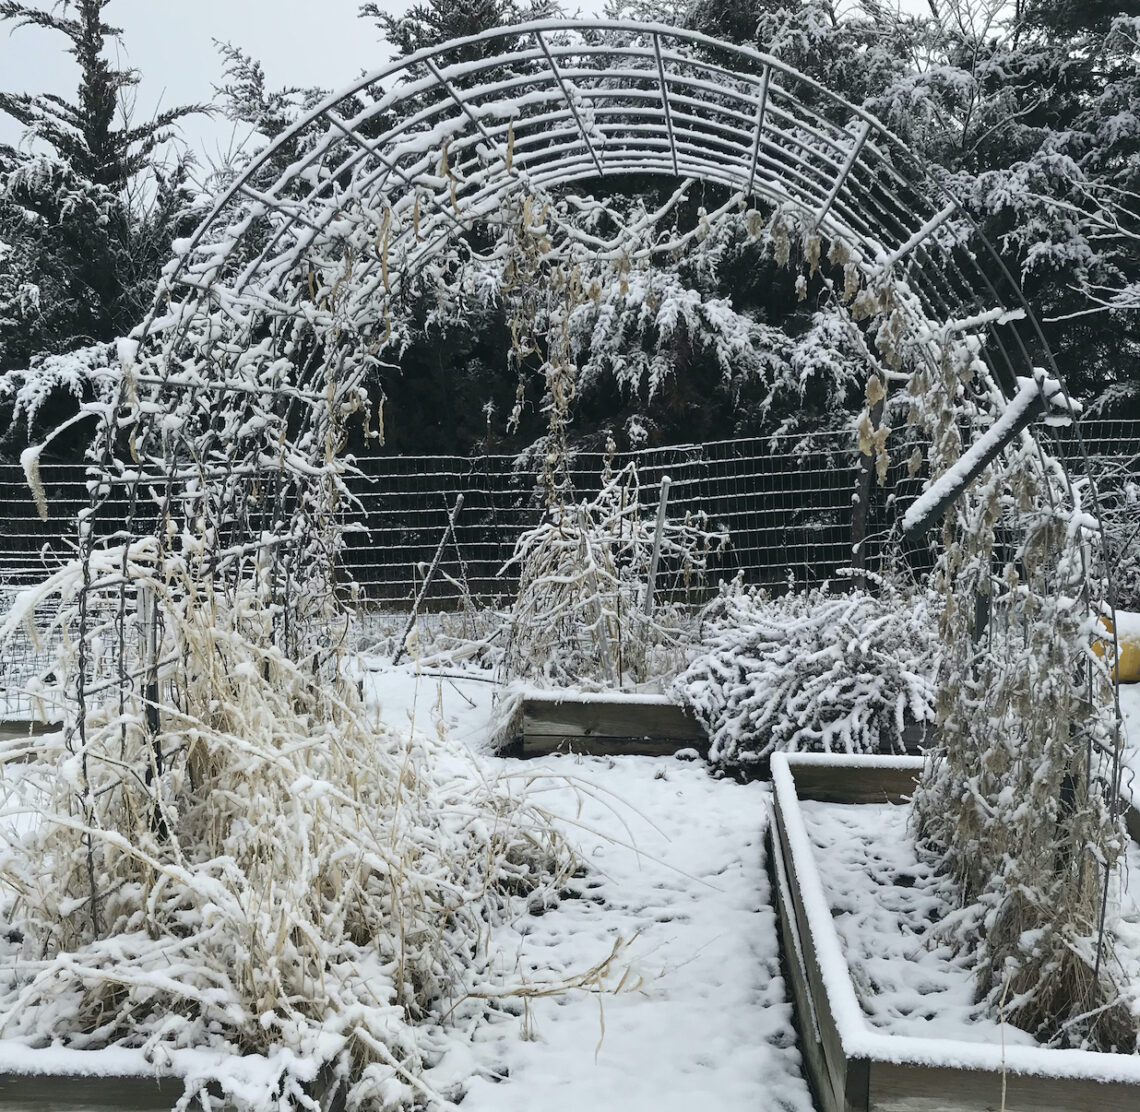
{"x":170,"y":43}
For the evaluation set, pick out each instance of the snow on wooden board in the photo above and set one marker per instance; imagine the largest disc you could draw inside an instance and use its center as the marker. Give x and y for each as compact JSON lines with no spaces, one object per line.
{"x":886,"y":1060}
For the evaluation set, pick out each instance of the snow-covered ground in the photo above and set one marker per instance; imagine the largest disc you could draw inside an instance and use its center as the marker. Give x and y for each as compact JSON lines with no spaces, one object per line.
{"x":676,"y":870}
{"x":675,"y":879}
{"x":885,"y":901}
{"x":1130,"y":709}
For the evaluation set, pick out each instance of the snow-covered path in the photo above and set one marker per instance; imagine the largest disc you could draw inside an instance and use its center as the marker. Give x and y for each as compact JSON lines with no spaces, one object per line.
{"x":710,"y":1020}
{"x":677,"y":869}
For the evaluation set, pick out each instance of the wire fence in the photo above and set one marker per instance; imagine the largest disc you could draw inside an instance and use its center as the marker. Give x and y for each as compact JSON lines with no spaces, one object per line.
{"x":784,"y":501}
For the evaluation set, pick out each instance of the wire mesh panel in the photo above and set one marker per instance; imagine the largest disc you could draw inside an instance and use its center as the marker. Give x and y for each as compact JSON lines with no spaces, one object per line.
{"x":785,"y":503}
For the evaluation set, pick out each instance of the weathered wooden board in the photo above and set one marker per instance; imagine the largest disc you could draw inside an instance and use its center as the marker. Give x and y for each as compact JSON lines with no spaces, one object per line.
{"x":811,"y":1041}
{"x":865,"y":783}
{"x":608,"y":728}
{"x":839,"y":1083}
{"x":859,"y":1084}
{"x":11,"y":729}
{"x":909,"y":1088}
{"x":1132,"y":822}
{"x":851,"y":783}
{"x":37,"y":1093}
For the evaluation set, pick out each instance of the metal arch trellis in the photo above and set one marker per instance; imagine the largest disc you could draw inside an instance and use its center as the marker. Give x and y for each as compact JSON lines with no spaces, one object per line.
{"x":564,"y":102}
{"x":409,"y":157}
{"x":229,"y":423}
{"x":756,"y":135}
{"x":275,"y":308}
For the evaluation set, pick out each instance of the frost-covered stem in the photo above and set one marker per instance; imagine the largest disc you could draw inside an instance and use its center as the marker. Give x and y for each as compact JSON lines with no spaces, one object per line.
{"x":658,"y":533}
{"x":861,"y":502}
{"x":88,"y":800}
{"x":599,"y":612}
{"x":448,"y":530}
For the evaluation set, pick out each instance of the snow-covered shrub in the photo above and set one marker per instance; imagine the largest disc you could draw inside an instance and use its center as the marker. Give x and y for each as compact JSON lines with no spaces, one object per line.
{"x":91,"y":370}
{"x":819,"y":670}
{"x":1018,"y":805}
{"x":270,"y":875}
{"x":1120,"y":515}
{"x":579,"y":616}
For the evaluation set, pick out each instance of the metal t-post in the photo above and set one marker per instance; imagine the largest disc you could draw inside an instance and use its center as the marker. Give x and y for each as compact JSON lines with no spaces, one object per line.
{"x":658,"y":533}
{"x":448,"y":531}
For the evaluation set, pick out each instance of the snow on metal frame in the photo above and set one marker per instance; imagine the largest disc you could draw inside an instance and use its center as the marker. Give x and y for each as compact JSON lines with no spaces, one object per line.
{"x":574,"y":101}
{"x":400,"y":164}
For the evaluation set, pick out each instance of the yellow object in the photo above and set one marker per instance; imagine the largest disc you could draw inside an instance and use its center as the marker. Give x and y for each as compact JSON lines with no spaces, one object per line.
{"x":1127,"y":668}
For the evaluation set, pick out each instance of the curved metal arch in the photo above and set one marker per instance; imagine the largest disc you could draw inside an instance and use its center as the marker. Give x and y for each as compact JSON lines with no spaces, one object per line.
{"x":581,"y":100}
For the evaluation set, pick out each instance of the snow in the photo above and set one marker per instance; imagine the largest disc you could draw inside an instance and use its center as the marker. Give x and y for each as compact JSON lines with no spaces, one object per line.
{"x":711,"y":1019}
{"x":957,"y":477}
{"x":677,"y":870}
{"x":916,"y":1013}
{"x":677,"y":890}
{"x":1130,"y":711}
{"x":1127,"y":626}
{"x":566,"y":695}
{"x":884,"y":900}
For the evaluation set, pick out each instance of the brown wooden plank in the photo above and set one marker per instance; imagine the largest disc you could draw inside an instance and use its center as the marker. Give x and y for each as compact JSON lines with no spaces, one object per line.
{"x":13,"y":729}
{"x":829,"y":783}
{"x":1132,"y":822}
{"x":51,"y":1093}
{"x":890,"y":1087}
{"x":662,"y":721}
{"x":832,"y":1045}
{"x":856,"y":783}
{"x":912,"y":1088}
{"x":810,"y":1040}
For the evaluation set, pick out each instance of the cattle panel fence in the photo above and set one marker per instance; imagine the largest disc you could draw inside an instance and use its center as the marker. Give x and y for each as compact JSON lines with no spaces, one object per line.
{"x":784,"y":501}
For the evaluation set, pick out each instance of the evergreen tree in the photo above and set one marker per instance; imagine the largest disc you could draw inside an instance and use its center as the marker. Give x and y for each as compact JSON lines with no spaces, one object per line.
{"x":1033,"y":117}
{"x":88,"y":208}
{"x":437,"y":21}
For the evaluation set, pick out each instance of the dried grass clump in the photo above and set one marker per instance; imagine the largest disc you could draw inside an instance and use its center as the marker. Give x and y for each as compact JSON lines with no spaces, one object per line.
{"x":810,"y":671}
{"x":1020,"y":804}
{"x":1019,"y":809}
{"x":271,"y":875}
{"x":579,"y":616}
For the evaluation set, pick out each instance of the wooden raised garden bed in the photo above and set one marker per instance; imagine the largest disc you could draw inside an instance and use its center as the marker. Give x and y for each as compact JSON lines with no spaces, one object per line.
{"x":855,"y":1067}
{"x":12,"y":729}
{"x":58,"y":1080}
{"x":605,"y":723}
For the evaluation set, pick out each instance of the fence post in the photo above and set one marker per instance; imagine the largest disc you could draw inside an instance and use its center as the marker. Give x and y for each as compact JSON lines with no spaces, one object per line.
{"x":148,"y":631}
{"x":658,"y":533}
{"x":861,"y":503}
{"x":148,"y":626}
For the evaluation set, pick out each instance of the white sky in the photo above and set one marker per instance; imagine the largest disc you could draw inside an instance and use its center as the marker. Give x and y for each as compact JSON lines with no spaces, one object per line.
{"x":170,"y":42}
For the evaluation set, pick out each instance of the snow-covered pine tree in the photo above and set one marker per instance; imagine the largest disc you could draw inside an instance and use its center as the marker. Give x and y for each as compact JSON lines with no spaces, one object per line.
{"x":438,"y":21}
{"x":89,"y":207}
{"x":1031,"y":111}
